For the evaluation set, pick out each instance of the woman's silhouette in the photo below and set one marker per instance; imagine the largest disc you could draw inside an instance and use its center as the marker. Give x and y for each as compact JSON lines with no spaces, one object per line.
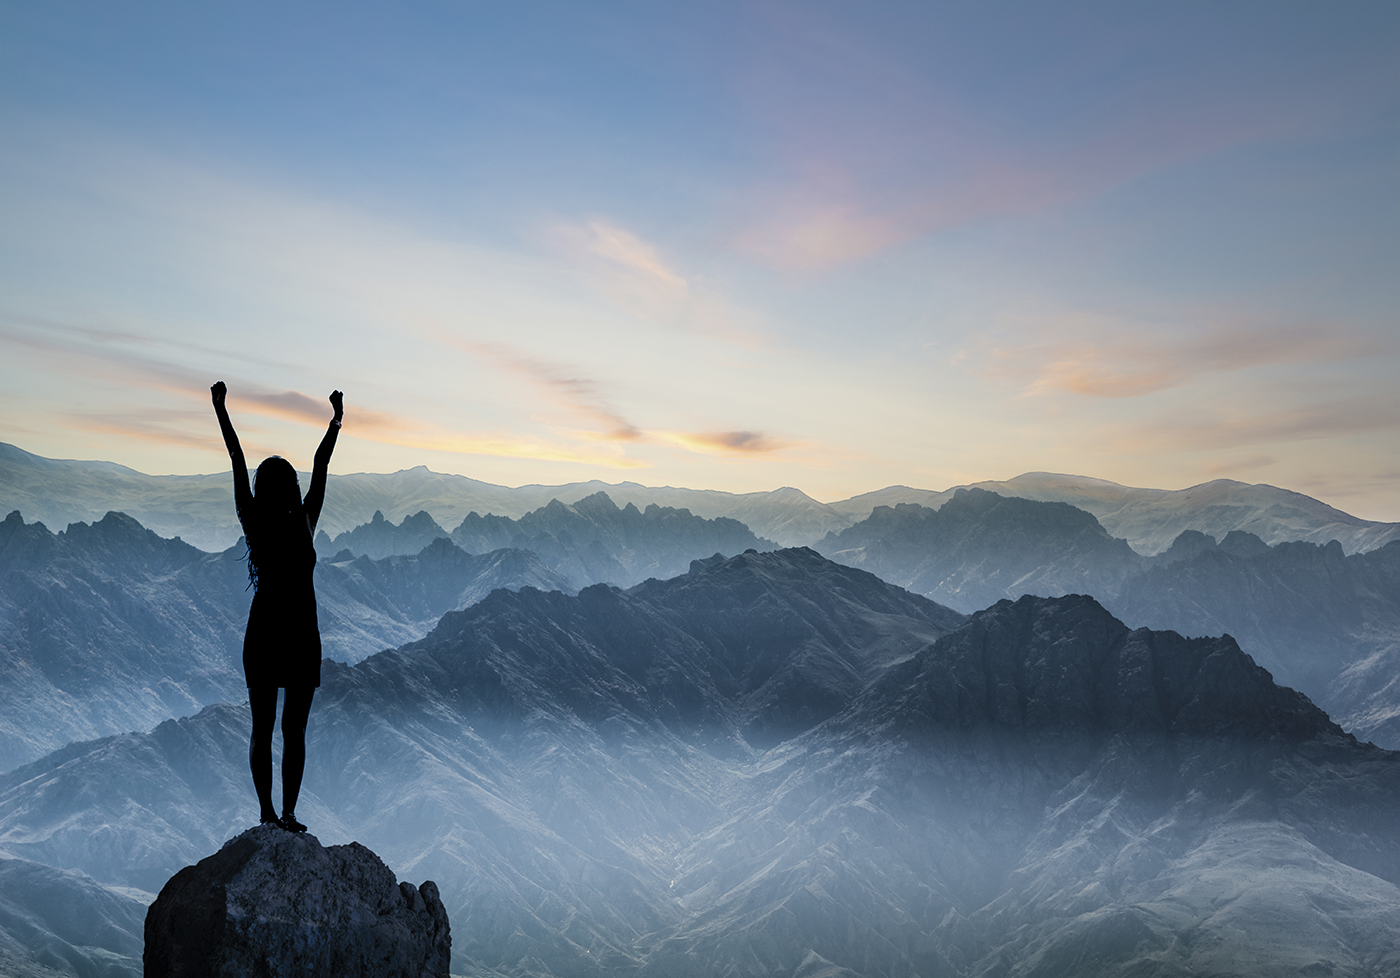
{"x":282,"y":646}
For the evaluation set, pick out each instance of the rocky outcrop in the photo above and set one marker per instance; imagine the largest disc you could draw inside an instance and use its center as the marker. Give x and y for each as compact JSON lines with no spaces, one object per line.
{"x":274,"y":903}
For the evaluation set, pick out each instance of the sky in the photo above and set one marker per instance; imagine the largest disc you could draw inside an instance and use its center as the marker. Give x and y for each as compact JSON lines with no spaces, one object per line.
{"x":829,"y":245}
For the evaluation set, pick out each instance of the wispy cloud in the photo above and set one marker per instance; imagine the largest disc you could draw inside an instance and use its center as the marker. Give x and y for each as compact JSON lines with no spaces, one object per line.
{"x":96,"y":354}
{"x":440,"y":440}
{"x":99,"y":354}
{"x":623,"y":248}
{"x":179,"y":431}
{"x":296,"y":406}
{"x":733,"y":443}
{"x":586,"y":398}
{"x":581,"y":395}
{"x":633,"y":273}
{"x":1136,"y":367}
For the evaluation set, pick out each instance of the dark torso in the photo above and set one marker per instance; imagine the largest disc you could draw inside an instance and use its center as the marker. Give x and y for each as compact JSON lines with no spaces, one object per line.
{"x":282,"y":645}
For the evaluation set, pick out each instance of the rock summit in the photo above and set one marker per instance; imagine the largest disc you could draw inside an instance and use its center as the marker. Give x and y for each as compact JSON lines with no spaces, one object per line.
{"x":274,"y":903}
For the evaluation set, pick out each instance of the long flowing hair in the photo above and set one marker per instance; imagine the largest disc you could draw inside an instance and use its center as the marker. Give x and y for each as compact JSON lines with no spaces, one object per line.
{"x":276,"y":531}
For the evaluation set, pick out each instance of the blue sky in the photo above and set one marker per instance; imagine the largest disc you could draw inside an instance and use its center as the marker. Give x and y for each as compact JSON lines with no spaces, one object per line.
{"x":830,"y":245}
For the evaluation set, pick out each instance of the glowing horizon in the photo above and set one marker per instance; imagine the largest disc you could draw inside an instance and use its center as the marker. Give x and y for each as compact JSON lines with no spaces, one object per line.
{"x":732,"y":246}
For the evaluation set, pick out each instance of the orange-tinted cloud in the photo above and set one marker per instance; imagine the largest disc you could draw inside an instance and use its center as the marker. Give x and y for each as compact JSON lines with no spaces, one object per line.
{"x":736,"y":443}
{"x":296,"y":406}
{"x":147,"y":428}
{"x":71,"y":350}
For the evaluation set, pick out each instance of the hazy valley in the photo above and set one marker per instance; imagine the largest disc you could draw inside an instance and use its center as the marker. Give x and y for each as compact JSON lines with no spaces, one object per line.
{"x":628,"y":738}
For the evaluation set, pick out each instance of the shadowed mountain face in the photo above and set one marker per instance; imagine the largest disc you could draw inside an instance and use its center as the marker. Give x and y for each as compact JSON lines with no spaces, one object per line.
{"x":1323,"y":621}
{"x":109,"y":627}
{"x":1067,"y":666}
{"x":744,"y":650}
{"x":1041,"y":791}
{"x":593,"y":541}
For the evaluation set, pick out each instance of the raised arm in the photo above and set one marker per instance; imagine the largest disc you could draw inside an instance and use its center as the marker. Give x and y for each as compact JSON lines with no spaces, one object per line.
{"x":242,"y":493}
{"x":316,"y":493}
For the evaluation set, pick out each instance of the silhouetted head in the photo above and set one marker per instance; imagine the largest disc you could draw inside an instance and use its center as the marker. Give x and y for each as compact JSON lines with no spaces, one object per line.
{"x":276,"y":490}
{"x":278,"y":527}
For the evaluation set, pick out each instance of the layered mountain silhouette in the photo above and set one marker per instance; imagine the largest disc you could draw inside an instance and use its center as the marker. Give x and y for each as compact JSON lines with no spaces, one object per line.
{"x":592,"y":541}
{"x":381,"y":538}
{"x":1325,"y":621}
{"x":109,"y":627}
{"x":200,"y":508}
{"x":1150,"y":519}
{"x":776,"y":764}
{"x":1320,"y":619}
{"x":981,"y":547}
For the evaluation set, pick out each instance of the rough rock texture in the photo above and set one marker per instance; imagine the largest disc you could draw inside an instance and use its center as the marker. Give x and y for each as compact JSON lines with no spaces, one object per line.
{"x":272,"y":903}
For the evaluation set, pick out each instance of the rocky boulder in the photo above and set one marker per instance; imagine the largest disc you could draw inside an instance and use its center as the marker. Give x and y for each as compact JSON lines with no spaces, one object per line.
{"x":274,"y":903}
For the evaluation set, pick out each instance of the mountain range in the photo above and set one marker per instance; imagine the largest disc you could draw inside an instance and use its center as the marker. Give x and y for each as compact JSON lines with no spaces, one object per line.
{"x":199,"y":508}
{"x":772,"y":762}
{"x":776,"y":764}
{"x":168,"y":618}
{"x":109,"y":627}
{"x":1321,"y":620}
{"x":1150,"y":519}
{"x":589,"y":542}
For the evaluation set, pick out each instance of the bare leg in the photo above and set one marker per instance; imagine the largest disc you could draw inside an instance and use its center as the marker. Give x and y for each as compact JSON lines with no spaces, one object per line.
{"x":263,"y":700}
{"x":295,"y":710}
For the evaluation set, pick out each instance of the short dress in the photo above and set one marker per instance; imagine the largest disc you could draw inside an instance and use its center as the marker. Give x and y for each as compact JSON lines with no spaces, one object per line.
{"x":282,"y":646}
